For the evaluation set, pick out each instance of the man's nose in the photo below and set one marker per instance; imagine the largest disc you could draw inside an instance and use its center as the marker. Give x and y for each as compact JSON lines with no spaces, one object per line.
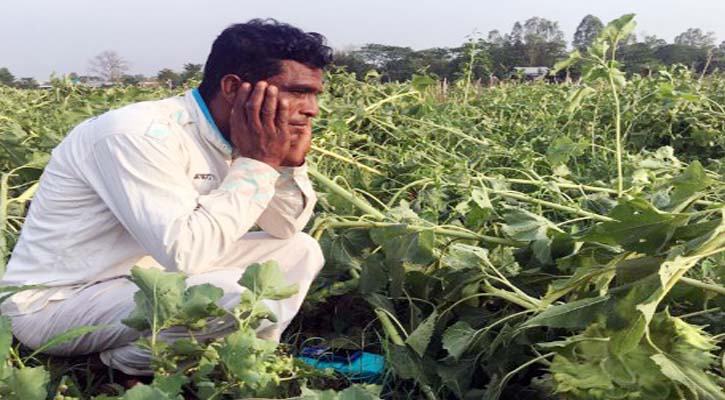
{"x":310,"y":107}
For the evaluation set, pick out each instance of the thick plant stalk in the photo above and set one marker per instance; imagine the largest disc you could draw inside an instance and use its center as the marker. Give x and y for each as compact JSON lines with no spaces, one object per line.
{"x":555,"y":206}
{"x":618,"y":135}
{"x":370,"y":210}
{"x":3,"y":221}
{"x":337,"y":189}
{"x":438,"y":230}
{"x":347,"y":160}
{"x":394,"y":335}
{"x":702,"y":285}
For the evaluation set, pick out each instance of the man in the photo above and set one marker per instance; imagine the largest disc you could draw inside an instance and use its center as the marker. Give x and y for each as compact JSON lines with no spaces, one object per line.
{"x":176,"y":184}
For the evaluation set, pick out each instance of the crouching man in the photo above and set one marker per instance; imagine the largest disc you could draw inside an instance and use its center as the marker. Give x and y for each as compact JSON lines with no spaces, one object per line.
{"x":176,"y":184}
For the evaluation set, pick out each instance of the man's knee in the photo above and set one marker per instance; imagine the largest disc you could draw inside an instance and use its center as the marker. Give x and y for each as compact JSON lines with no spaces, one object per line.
{"x":306,"y":246}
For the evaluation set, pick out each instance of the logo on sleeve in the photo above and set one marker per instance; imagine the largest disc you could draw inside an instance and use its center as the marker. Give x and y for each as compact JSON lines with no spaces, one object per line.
{"x":205,"y":177}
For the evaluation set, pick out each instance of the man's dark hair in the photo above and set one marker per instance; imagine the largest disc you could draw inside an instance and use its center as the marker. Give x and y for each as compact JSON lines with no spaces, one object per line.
{"x":254,"y":51}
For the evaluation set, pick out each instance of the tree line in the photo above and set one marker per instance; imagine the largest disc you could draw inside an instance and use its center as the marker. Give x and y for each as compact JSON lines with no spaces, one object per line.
{"x":109,"y":68}
{"x":536,"y":42}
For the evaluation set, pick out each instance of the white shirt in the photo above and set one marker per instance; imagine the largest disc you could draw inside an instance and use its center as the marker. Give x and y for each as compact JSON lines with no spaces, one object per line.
{"x":152,"y":179}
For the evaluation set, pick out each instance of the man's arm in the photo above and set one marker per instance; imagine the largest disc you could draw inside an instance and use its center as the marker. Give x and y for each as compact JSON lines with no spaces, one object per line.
{"x":143,"y":182}
{"x":292,"y":205}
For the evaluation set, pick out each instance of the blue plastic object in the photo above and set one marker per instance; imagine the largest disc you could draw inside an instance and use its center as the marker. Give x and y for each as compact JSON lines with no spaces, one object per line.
{"x":357,"y":365}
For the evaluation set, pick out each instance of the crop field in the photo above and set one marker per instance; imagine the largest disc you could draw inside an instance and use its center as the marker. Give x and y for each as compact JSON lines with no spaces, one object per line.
{"x":526,"y":240}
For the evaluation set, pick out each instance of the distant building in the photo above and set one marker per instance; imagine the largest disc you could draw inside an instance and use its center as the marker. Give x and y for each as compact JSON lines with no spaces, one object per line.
{"x":529,"y":73}
{"x":149,"y":84}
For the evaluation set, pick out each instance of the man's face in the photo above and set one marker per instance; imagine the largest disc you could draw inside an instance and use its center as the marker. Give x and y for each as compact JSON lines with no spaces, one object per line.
{"x":300,"y":85}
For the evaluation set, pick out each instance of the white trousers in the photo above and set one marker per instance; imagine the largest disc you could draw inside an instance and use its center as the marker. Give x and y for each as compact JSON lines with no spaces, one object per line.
{"x":108,"y":302}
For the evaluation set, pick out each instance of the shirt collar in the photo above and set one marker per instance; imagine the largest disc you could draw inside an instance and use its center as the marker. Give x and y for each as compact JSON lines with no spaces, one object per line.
{"x":207,"y":127}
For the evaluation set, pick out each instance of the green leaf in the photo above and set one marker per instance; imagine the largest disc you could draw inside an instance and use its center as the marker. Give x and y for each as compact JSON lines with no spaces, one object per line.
{"x":144,"y":392}
{"x":560,"y":65}
{"x":562,"y":149}
{"x":422,"y":82}
{"x":244,"y":355}
{"x":478,"y":208}
{"x":374,"y":275}
{"x":595,"y":73}
{"x":457,"y":338}
{"x":419,"y":339}
{"x":403,"y":244}
{"x":575,"y":99}
{"x":575,"y":314}
{"x":343,"y":250}
{"x":6,"y":338}
{"x":618,"y":77}
{"x":404,"y":363}
{"x":619,"y":28}
{"x":457,"y":377}
{"x":697,"y":381}
{"x":689,"y":184}
{"x":170,"y":384}
{"x":65,"y":337}
{"x":28,"y":384}
{"x":638,"y":226}
{"x":526,"y":226}
{"x":199,"y":303}
{"x":465,"y":256}
{"x":354,"y":392}
{"x":266,"y":281}
{"x":158,"y":299}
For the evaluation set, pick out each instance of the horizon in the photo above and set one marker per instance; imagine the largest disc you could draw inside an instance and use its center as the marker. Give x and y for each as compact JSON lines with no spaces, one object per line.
{"x":142,"y":33}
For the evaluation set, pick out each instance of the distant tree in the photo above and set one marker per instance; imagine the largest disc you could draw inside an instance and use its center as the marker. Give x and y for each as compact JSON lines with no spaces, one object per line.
{"x":26,"y":83}
{"x":191,"y":71}
{"x":495,"y":38}
{"x":435,"y":60}
{"x":517,"y":34}
{"x":352,"y":62}
{"x":588,"y":30}
{"x":718,"y":59}
{"x":639,"y":58}
{"x":694,"y":57}
{"x":132,"y":80}
{"x":109,"y":66}
{"x":168,"y":77}
{"x":654,"y":42}
{"x":696,"y":37}
{"x":543,"y":40}
{"x":394,"y":62}
{"x":6,"y":78}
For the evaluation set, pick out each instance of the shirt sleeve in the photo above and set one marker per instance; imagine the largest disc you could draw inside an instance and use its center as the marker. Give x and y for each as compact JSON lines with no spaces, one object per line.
{"x":293,"y":203}
{"x":144,"y":183}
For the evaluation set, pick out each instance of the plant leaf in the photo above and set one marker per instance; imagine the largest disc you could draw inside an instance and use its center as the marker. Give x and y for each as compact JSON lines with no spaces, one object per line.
{"x":419,"y":339}
{"x":28,"y":383}
{"x":575,"y":314}
{"x":638,"y":226}
{"x":160,"y":294}
{"x":65,"y":337}
{"x":266,"y":281}
{"x":457,"y":338}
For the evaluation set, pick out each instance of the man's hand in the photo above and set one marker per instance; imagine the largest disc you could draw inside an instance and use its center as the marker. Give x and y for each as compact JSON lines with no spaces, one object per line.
{"x":299,"y":149}
{"x":258,"y":124}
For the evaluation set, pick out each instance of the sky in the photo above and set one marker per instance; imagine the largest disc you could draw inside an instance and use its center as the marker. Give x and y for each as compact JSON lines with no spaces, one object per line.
{"x":40,"y":37}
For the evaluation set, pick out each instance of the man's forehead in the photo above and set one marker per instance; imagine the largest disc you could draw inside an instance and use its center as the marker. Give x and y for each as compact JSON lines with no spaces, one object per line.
{"x":299,"y":73}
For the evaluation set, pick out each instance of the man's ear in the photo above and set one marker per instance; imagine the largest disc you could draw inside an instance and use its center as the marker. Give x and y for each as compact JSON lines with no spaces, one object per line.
{"x":229,"y":87}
